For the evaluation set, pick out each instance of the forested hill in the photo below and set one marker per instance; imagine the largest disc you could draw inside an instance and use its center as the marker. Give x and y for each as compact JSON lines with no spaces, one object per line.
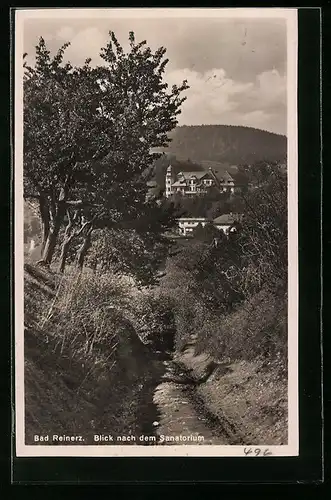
{"x":227,"y":144}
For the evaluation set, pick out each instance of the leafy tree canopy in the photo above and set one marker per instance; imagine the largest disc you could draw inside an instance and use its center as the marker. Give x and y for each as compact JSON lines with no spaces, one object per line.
{"x":88,"y":132}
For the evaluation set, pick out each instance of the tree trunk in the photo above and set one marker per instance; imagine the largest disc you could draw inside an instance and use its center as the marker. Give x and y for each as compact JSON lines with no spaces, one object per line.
{"x":66,"y":244}
{"x":53,"y":233}
{"x":45,"y":219}
{"x":82,"y":251}
{"x":64,"y":254}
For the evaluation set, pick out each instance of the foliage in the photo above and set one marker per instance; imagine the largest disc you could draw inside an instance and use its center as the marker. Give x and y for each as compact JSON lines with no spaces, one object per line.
{"x":89,"y":132}
{"x":233,"y":295}
{"x":206,"y":233}
{"x":263,"y":233}
{"x":136,"y":247}
{"x":154,"y":319}
{"x":234,"y":145}
{"x":126,"y":252}
{"x":84,"y":364}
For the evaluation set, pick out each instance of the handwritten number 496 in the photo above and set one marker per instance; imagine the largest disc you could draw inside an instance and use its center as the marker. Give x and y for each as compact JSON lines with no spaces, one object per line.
{"x":256,"y":452}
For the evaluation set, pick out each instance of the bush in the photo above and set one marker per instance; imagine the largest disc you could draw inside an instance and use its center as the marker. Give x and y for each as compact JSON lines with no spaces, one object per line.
{"x":83,"y":316}
{"x":257,"y":328}
{"x":85,"y":365}
{"x":154,"y":319}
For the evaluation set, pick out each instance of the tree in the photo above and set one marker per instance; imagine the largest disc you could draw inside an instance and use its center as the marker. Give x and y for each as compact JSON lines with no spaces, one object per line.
{"x":88,"y":133}
{"x":138,"y":246}
{"x":62,"y":135}
{"x":207,"y":233}
{"x":262,"y":236}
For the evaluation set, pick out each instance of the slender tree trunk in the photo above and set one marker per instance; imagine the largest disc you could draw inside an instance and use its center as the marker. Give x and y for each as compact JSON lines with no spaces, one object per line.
{"x":64,"y":254}
{"x":68,"y":237}
{"x":53,"y":233}
{"x":44,"y":236}
{"x":82,"y":251}
{"x":66,"y":243}
{"x":45,"y":221}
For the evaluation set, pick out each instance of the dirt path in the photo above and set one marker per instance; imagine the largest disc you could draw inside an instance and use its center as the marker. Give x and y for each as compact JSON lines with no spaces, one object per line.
{"x":181,"y":418}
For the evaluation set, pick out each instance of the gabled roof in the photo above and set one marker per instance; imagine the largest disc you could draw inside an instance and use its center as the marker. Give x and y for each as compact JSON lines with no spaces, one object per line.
{"x":226,"y":218}
{"x":179,"y":184}
{"x":197,"y":174}
{"x":224,"y":175}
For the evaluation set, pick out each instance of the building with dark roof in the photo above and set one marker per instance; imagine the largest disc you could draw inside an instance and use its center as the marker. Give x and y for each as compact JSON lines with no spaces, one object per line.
{"x":197,"y":182}
{"x":226,"y":222}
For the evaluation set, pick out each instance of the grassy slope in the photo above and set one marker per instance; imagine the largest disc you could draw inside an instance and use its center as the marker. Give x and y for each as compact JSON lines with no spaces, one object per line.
{"x":80,"y":386}
{"x":74,"y":386}
{"x":237,"y":384}
{"x":249,"y":398}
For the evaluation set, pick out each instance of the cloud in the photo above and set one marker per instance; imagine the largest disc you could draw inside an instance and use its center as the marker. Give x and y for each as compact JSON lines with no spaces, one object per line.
{"x":85,"y":44}
{"x":272,"y":87}
{"x":258,"y":117}
{"x":65,"y":33}
{"x":212,"y":89}
{"x":235,"y":68}
{"x":214,"y":98}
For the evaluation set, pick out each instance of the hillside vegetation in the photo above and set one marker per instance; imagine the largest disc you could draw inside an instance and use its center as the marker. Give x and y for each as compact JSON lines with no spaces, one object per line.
{"x":226,"y":144}
{"x":220,"y":311}
{"x":230,"y":309}
{"x":89,"y":362}
{"x":221,"y":147}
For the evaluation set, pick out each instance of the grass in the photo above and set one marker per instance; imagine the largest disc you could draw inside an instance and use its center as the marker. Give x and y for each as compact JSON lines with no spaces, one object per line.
{"x":84,"y":364}
{"x":87,"y":360}
{"x":252,"y":398}
{"x":238,"y":358}
{"x":257,"y":328}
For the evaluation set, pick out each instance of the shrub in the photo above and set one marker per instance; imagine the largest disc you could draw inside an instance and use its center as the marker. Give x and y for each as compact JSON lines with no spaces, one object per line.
{"x":83,"y":315}
{"x":85,"y":365}
{"x":256,"y":328}
{"x":153,"y":319}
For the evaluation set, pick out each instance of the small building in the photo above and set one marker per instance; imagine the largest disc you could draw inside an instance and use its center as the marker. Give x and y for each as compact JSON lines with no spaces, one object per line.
{"x":186,"y":225}
{"x":225,"y":222}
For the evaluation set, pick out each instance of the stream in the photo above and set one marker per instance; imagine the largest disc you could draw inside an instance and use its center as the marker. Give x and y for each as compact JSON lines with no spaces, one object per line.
{"x":172,"y":414}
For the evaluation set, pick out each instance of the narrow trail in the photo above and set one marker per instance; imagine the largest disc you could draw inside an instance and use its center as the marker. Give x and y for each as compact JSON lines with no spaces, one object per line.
{"x":178,"y":416}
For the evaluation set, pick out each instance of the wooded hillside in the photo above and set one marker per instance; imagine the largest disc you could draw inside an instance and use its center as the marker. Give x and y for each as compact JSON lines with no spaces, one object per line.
{"x":228,"y":144}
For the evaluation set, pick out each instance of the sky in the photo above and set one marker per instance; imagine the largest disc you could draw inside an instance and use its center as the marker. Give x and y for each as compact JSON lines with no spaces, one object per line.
{"x":236,"y":68}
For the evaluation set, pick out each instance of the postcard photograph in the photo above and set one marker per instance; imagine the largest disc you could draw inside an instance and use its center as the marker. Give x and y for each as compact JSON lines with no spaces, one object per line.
{"x":155,"y":172}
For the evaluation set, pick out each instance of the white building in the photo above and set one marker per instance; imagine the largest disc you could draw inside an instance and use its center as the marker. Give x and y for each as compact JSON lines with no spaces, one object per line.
{"x":188,"y":224}
{"x":197,"y":182}
{"x":224,"y":223}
